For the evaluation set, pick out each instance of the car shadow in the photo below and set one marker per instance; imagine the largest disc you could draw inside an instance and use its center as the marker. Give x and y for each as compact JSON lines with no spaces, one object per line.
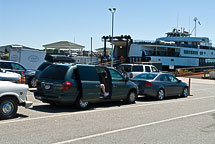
{"x":71,"y":108}
{"x":20,"y":116}
{"x":145,"y":99}
{"x":17,"y":116}
{"x":53,"y":109}
{"x":153,"y":99}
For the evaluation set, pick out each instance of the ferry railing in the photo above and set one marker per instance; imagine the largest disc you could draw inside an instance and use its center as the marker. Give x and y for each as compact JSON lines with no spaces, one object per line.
{"x":206,"y":73}
{"x":193,"y":70}
{"x":172,"y":44}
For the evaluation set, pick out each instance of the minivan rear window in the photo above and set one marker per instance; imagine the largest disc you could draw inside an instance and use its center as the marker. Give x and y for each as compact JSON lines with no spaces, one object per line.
{"x":55,"y":72}
{"x":43,"y":66}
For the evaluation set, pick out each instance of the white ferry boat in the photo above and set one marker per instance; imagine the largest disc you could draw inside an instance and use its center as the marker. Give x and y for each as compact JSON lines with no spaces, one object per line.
{"x":177,"y":49}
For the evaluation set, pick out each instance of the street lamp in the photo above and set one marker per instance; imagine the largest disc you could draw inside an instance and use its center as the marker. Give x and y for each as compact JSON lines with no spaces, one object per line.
{"x":112,"y":10}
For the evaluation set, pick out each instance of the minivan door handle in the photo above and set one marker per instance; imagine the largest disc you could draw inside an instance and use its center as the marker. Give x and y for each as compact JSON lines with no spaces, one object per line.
{"x":97,"y":85}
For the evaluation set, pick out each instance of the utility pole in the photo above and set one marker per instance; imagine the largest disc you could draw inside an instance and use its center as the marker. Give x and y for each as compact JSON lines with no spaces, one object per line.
{"x":112,"y":10}
{"x":91,"y":50}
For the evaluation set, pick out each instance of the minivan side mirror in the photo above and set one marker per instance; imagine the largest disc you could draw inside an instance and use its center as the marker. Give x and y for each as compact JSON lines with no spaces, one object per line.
{"x":179,"y":81}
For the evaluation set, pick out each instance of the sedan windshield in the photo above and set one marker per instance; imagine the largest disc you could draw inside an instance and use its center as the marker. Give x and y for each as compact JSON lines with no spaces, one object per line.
{"x":146,"y":76}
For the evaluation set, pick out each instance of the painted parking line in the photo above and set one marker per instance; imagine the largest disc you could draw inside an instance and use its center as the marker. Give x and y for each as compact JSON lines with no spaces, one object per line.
{"x":105,"y":109}
{"x":133,"y":127}
{"x":205,"y":89}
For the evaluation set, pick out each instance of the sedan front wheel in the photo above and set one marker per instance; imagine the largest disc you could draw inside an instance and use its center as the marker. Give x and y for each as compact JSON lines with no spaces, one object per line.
{"x":185,"y":92}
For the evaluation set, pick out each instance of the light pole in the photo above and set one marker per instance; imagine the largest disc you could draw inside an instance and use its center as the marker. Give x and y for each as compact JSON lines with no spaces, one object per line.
{"x":112,"y":10}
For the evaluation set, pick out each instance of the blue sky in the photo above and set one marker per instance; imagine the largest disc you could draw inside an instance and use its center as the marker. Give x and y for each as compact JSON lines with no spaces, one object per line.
{"x":34,"y":23}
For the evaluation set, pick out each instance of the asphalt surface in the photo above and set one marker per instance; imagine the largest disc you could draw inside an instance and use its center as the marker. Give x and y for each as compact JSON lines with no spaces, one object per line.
{"x":174,"y":120}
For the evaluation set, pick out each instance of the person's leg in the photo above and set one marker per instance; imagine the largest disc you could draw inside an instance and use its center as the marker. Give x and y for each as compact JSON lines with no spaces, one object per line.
{"x":103,"y":88}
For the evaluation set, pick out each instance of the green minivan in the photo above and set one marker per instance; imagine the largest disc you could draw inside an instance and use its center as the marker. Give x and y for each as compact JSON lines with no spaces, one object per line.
{"x":79,"y":84}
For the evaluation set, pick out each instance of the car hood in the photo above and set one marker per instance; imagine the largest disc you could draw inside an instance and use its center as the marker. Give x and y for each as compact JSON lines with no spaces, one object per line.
{"x":9,"y":76}
{"x":30,"y":72}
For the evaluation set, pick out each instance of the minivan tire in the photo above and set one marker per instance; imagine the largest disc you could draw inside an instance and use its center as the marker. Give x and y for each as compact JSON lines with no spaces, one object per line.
{"x":132,"y":96}
{"x":8,"y":107}
{"x":80,"y":104}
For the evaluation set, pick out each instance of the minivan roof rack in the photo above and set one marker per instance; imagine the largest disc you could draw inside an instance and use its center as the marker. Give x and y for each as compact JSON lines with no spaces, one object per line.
{"x":59,"y":58}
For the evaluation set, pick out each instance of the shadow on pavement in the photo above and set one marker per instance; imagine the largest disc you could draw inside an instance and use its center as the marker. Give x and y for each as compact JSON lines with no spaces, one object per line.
{"x":153,"y":99}
{"x":21,"y":116}
{"x":65,"y":108}
{"x":54,"y":108}
{"x":18,"y":116}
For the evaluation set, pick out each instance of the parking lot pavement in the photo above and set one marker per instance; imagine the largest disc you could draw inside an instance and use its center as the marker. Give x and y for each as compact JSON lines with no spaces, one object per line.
{"x":199,"y":81}
{"x":173,"y":120}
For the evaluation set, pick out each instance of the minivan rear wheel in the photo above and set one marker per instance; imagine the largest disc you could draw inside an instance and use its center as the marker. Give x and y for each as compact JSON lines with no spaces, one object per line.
{"x":81,"y":104}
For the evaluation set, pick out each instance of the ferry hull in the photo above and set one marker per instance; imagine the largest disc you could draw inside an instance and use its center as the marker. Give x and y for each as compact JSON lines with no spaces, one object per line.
{"x":175,"y":61}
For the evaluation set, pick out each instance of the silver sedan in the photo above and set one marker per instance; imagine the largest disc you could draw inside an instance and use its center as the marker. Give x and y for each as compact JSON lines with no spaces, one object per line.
{"x":160,"y":85}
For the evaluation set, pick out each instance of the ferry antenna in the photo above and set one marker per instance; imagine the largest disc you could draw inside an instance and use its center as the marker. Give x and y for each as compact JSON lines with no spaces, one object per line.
{"x":195,"y":20}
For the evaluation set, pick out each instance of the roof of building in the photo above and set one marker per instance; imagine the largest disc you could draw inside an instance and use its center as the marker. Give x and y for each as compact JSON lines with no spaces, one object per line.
{"x":103,"y":49}
{"x":63,"y":45}
{"x":16,"y":46}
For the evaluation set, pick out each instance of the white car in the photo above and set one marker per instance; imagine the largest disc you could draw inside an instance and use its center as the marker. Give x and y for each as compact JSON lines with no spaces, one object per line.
{"x":10,"y":76}
{"x":133,"y":70}
{"x":12,"y":95}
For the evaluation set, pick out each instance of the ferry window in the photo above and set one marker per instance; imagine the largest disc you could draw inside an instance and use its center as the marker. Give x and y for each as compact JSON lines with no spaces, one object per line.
{"x":211,"y":53}
{"x":204,"y":52}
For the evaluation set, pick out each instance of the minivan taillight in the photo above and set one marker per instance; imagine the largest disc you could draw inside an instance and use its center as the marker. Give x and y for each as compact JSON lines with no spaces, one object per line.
{"x":66,"y":85}
{"x":148,"y":84}
{"x":131,"y":75}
